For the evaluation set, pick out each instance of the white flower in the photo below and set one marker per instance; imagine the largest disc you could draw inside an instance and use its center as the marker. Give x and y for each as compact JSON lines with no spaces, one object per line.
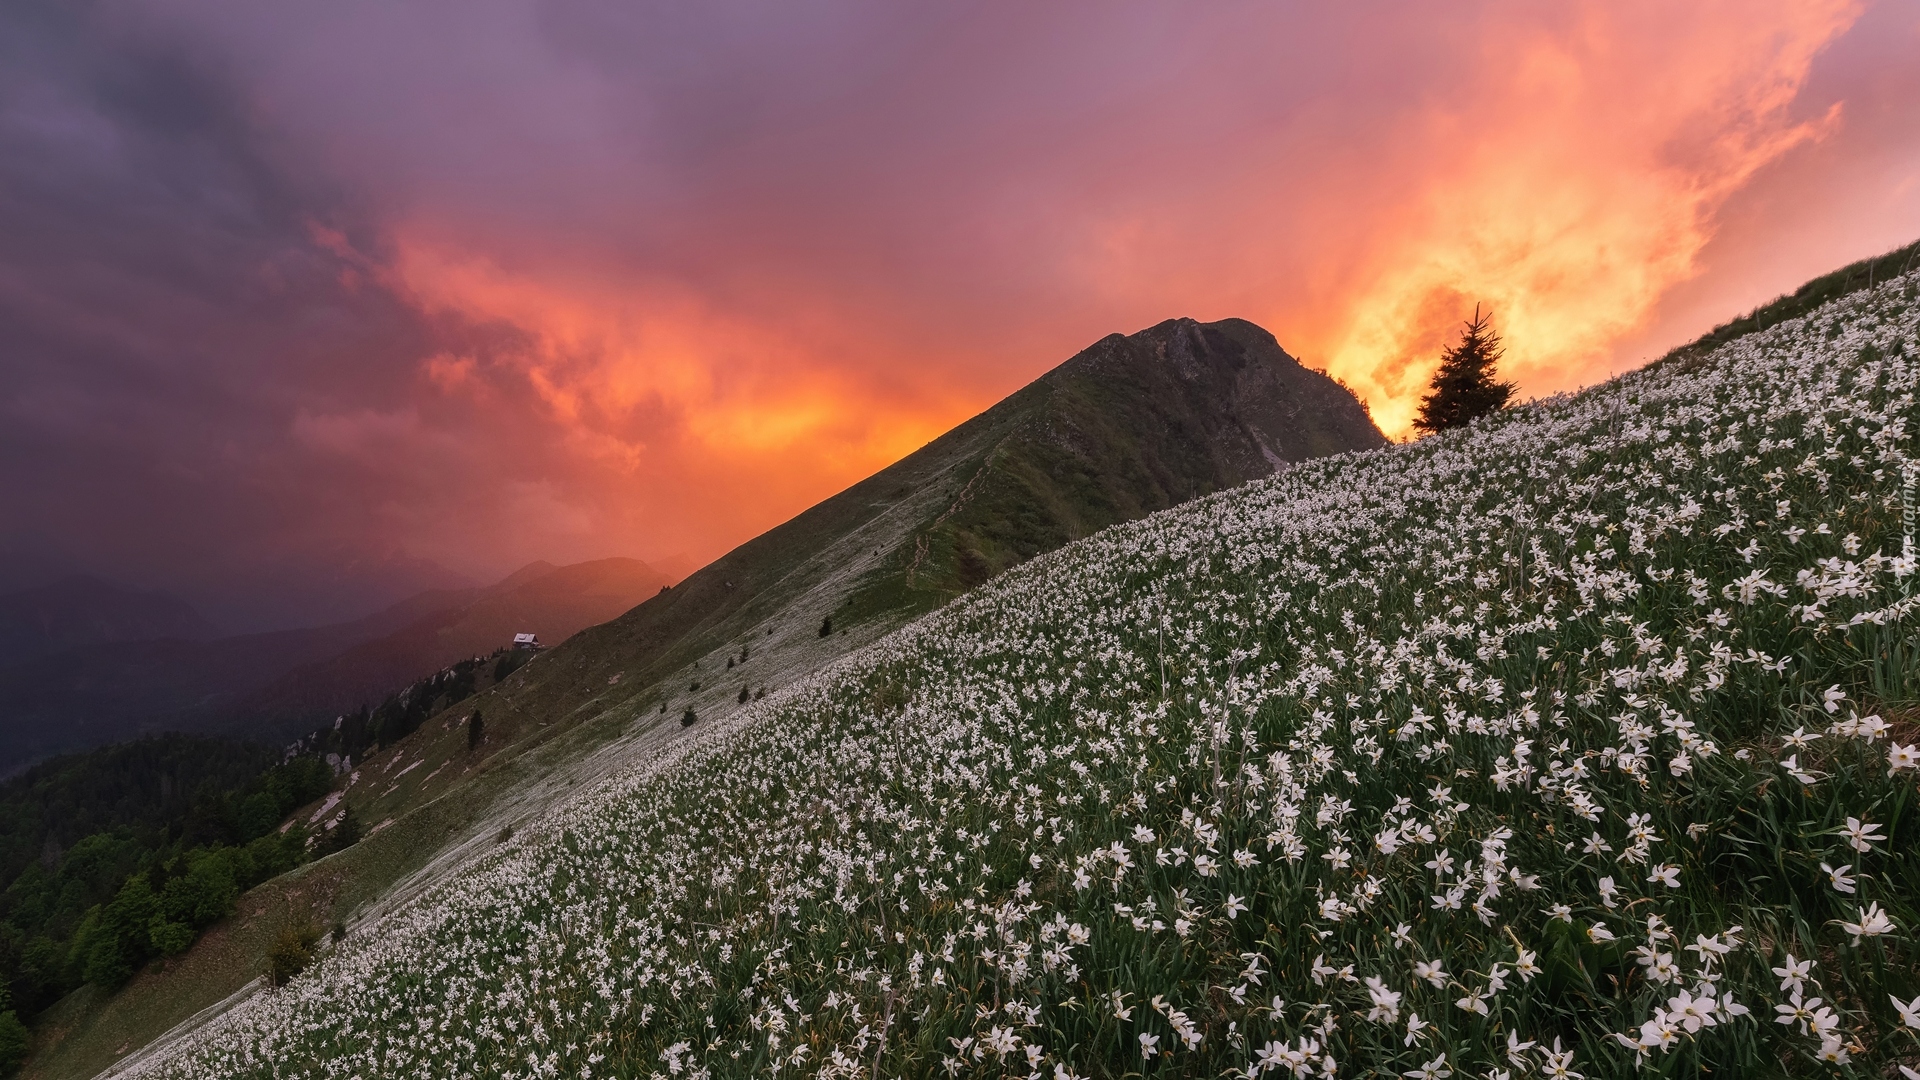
{"x":1793,"y":974}
{"x":1527,"y":965}
{"x":1902,"y":757}
{"x":1386,"y":1003}
{"x":1515,"y":1047}
{"x":1860,"y":834}
{"x":1559,"y":1064}
{"x":1147,"y":1043}
{"x":1797,"y":1011}
{"x":1433,"y":1070}
{"x":1873,"y":923}
{"x":1841,"y":882}
{"x":1909,"y":1011}
{"x":1665,"y":874}
{"x":1692,"y":1013}
{"x":1792,"y":765}
{"x":1434,"y":972}
{"x":1415,"y":1026}
{"x":1234,"y":906}
{"x":1598,"y":933}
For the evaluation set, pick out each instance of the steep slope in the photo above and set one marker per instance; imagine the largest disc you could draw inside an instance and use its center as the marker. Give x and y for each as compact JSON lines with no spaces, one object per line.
{"x":1575,"y":741}
{"x":1130,"y":425}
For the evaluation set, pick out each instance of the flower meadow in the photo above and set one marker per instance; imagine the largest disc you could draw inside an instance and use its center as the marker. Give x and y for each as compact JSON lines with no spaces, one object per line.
{"x":1571,"y":744}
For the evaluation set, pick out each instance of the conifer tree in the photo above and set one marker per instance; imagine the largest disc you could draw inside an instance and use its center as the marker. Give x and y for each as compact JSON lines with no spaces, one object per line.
{"x":1464,"y":388}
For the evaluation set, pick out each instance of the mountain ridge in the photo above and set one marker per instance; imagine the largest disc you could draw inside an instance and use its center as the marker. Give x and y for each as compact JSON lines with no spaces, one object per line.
{"x":1044,"y":465}
{"x":1096,"y":816}
{"x":81,"y":610}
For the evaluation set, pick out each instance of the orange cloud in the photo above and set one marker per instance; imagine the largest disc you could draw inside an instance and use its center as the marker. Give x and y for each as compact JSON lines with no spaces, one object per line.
{"x":1570,"y":189}
{"x":1565,"y":166}
{"x":649,"y":377}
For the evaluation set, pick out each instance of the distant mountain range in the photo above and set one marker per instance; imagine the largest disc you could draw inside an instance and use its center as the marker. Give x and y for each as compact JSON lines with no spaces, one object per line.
{"x":121,"y":663}
{"x":82,"y":611}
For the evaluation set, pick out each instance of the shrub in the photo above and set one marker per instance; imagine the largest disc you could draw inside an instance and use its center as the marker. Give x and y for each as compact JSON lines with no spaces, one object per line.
{"x":292,"y":951}
{"x":13,"y":1041}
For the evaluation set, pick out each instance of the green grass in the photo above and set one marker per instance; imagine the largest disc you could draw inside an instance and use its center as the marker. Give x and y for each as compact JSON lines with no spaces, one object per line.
{"x":1162,"y":802}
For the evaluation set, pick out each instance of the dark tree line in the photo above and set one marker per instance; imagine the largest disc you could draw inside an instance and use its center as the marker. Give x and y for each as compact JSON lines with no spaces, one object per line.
{"x":178,"y":828}
{"x":373,"y":728}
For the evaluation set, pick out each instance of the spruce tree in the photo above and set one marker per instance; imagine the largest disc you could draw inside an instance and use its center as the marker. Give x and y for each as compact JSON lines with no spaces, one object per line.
{"x":1464,"y":388}
{"x":476,"y":730}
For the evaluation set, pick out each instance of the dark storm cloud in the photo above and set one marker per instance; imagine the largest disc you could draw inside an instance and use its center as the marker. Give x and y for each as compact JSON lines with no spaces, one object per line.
{"x":298,"y":301}
{"x":165,"y":311}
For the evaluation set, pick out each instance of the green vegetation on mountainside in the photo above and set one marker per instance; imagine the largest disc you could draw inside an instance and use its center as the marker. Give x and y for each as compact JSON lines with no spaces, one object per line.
{"x":1577,"y":742}
{"x":1131,"y":425}
{"x":118,"y":855}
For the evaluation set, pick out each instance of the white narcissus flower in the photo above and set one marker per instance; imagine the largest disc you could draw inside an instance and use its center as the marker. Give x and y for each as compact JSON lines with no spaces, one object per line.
{"x":1386,"y":1002}
{"x":1793,"y":973}
{"x":1902,"y":757}
{"x":1873,"y":923}
{"x":1860,"y":835}
{"x":1415,"y":1026}
{"x":1909,"y":1011}
{"x":1839,"y":877}
{"x":1517,"y":1047}
{"x":1527,"y":965}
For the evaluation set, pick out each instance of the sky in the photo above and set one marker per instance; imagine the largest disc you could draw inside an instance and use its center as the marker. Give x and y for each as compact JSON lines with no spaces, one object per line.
{"x":306,"y":307}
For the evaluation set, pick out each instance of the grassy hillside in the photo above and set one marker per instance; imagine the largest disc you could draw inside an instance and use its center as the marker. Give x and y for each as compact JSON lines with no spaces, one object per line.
{"x":1824,"y":289}
{"x":1573,"y":742}
{"x":1131,"y":425}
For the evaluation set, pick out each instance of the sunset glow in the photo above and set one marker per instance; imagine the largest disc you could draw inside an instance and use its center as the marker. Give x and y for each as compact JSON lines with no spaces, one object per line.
{"x":441,"y":289}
